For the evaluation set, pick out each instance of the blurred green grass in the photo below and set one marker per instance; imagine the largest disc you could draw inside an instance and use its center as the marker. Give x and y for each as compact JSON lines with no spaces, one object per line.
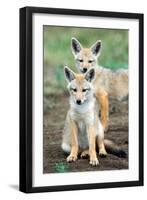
{"x":57,"y":51}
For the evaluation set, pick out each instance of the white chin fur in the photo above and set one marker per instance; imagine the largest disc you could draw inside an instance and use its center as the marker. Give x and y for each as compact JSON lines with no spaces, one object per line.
{"x":66,"y":148}
{"x":83,"y":107}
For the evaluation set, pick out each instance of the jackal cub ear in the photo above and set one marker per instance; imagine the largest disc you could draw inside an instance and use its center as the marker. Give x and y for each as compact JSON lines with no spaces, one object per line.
{"x":75,"y":45}
{"x":69,"y":74}
{"x":95,"y":48}
{"x":90,"y":75}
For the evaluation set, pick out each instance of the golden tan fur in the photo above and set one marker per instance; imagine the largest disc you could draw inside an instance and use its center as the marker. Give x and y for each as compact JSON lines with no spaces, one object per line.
{"x":114,"y":83}
{"x":109,"y":84}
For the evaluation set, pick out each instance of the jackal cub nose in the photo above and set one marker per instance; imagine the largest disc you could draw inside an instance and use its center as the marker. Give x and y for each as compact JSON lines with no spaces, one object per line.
{"x":78,"y":102}
{"x":84,"y":70}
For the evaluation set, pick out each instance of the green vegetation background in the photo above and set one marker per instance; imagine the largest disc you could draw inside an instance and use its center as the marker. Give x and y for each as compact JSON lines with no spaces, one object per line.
{"x":57,"y":52}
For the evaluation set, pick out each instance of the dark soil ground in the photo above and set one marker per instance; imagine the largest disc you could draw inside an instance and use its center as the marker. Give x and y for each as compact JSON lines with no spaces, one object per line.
{"x":54,"y":160}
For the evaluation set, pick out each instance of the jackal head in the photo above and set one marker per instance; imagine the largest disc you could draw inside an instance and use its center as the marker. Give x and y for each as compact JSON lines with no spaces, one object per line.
{"x":80,"y":85}
{"x":85,"y":57}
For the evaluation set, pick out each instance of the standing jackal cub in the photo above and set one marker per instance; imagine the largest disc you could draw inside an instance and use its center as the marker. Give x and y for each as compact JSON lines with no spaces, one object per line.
{"x":107,"y":83}
{"x":83,"y":131}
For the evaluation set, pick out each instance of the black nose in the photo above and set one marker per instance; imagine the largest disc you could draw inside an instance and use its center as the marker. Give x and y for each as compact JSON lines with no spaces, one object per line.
{"x":78,"y":102}
{"x":84,"y":70}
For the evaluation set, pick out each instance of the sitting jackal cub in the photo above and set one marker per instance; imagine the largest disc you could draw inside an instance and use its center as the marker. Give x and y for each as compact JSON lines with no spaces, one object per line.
{"x":83,"y":131}
{"x":82,"y":124}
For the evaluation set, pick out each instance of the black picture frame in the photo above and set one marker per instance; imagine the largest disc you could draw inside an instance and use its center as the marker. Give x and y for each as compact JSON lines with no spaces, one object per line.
{"x":26,"y":96}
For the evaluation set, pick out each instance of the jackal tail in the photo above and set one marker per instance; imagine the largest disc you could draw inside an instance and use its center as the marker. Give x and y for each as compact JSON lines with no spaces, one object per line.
{"x":114,"y":149}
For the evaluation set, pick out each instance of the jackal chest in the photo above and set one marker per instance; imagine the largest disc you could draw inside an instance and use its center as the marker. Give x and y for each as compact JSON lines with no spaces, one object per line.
{"x":84,"y":119}
{"x":82,"y":135}
{"x":82,"y":122}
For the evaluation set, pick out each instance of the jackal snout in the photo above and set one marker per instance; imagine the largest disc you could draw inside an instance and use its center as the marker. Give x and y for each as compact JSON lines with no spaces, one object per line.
{"x":78,"y":95}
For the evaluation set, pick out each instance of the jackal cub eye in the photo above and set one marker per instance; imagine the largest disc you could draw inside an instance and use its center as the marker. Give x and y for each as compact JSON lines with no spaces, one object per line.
{"x":84,"y":90}
{"x":90,"y":61}
{"x":80,"y":60}
{"x":74,"y":89}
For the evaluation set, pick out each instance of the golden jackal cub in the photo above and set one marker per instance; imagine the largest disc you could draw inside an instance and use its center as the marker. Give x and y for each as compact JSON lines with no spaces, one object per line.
{"x":107,"y":83}
{"x":83,"y":131}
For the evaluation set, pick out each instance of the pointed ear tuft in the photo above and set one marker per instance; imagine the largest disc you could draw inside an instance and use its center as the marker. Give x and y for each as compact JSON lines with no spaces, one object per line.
{"x":96,"y":48}
{"x":69,"y":74}
{"x":75,"y":45}
{"x":90,"y":75}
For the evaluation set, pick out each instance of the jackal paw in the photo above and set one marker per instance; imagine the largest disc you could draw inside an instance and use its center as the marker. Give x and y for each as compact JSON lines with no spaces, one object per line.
{"x":94,"y":161}
{"x":102,"y":153}
{"x":71,"y":158}
{"x":85,"y":154}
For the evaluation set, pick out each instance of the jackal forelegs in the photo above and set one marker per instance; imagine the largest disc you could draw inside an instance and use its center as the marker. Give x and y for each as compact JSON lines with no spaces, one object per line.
{"x":92,"y":145}
{"x":74,"y":142}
